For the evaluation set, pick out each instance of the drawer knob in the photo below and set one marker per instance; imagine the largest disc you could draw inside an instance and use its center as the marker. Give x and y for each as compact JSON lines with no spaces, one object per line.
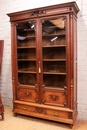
{"x":56,"y":114}
{"x":24,"y":108}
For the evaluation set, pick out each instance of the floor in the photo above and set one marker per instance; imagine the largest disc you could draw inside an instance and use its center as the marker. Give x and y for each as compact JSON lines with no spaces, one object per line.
{"x":28,"y":123}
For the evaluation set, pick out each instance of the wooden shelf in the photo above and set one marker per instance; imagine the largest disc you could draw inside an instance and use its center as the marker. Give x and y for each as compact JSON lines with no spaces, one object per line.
{"x":54,"y":46}
{"x":20,"y":71}
{"x":26,"y":47}
{"x":54,"y":59}
{"x":26,"y":60}
{"x":57,"y":73}
{"x":50,"y":35}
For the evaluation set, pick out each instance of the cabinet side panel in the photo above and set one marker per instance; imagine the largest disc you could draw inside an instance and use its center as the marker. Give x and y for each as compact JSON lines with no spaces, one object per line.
{"x":1,"y":52}
{"x":14,"y":59}
{"x":75,"y":61}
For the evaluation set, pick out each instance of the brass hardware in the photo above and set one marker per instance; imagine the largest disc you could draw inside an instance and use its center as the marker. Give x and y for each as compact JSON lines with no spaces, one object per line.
{"x":39,"y":67}
{"x":39,"y":70}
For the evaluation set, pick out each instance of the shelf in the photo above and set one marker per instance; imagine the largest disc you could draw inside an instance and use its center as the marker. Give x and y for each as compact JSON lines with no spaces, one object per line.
{"x":54,"y":73}
{"x":21,"y":71}
{"x":27,"y":37}
{"x":25,"y":85}
{"x":50,"y":35}
{"x":54,"y":46}
{"x":26,"y":59}
{"x":54,"y":59}
{"x":54,"y":87}
{"x":25,"y":30}
{"x":26,"y":47}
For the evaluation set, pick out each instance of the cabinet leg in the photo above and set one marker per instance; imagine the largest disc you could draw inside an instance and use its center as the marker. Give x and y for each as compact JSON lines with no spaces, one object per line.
{"x":15,"y":114}
{"x":2,"y":116}
{"x":71,"y":126}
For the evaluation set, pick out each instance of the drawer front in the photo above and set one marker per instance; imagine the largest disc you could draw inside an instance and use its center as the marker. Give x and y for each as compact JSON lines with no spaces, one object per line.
{"x":56,"y":113}
{"x":33,"y":109}
{"x":54,"y":98}
{"x":27,"y":95}
{"x":46,"y":113}
{"x":24,"y":107}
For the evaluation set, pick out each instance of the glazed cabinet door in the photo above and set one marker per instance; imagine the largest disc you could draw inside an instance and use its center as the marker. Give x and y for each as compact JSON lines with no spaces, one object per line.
{"x":54,"y":60}
{"x":26,"y":61}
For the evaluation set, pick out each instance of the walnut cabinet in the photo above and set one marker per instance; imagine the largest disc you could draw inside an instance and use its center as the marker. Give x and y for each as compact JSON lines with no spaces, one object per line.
{"x":44,"y":62}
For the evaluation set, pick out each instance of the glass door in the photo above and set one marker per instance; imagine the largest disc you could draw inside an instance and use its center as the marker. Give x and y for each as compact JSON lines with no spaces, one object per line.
{"x":54,"y":59}
{"x":26,"y":60}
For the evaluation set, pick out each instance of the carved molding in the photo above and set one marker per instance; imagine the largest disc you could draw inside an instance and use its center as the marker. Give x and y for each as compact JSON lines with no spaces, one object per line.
{"x":37,"y":13}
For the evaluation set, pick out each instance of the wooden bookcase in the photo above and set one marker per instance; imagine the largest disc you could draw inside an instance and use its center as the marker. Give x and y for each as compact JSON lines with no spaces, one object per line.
{"x":44,"y":62}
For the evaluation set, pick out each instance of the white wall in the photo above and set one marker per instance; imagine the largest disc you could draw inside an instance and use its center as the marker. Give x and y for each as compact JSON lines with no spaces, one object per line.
{"x":9,"y":6}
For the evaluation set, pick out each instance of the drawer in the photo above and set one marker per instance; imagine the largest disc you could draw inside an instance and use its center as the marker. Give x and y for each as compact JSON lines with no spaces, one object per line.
{"x":24,"y":107}
{"x":27,"y":94}
{"x":33,"y":109}
{"x":54,"y":98}
{"x":57,"y":113}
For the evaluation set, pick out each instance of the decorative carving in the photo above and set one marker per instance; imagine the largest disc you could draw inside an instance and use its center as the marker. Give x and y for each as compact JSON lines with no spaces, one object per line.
{"x":36,"y":13}
{"x":36,"y":90}
{"x":70,"y":116}
{"x":43,"y":91}
{"x":54,"y":97}
{"x":39,"y":110}
{"x":28,"y":94}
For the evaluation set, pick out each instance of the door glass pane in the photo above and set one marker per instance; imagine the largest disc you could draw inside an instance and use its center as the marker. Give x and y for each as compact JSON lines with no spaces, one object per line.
{"x":26,"y":53}
{"x":54,"y":52}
